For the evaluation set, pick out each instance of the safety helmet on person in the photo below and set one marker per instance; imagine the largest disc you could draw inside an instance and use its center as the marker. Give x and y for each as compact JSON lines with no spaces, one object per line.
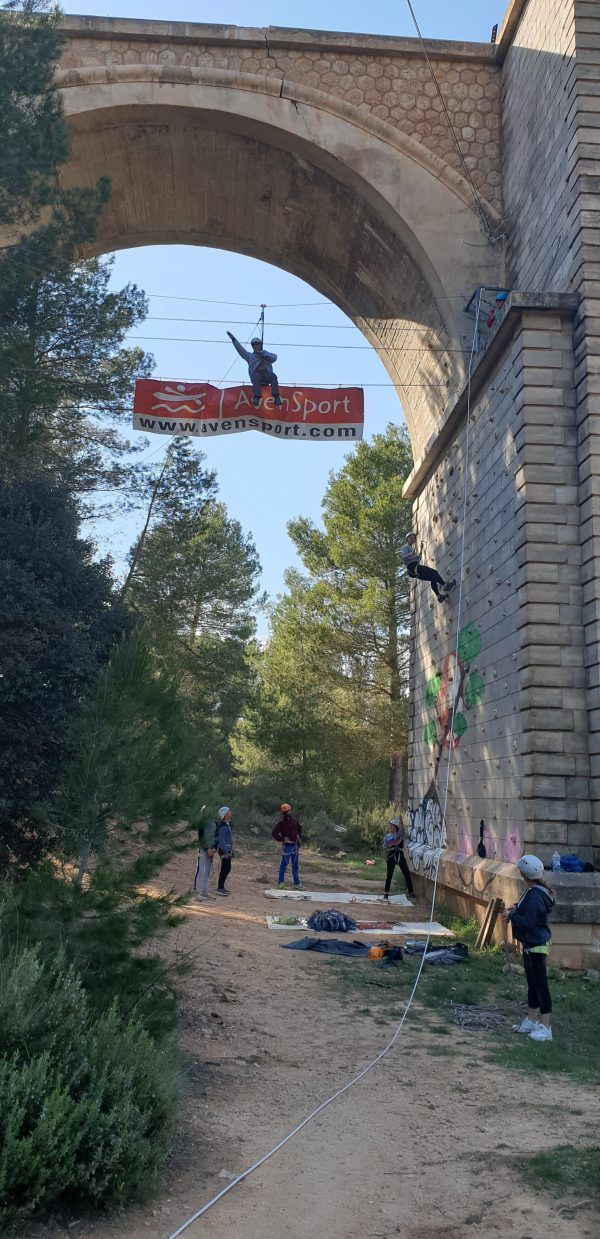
{"x":256,"y":340}
{"x":531,"y":867}
{"x":285,"y":808}
{"x":223,"y":811}
{"x":394,"y":821}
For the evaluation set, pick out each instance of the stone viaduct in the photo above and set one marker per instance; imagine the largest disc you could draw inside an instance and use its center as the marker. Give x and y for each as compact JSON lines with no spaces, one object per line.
{"x":331,"y":156}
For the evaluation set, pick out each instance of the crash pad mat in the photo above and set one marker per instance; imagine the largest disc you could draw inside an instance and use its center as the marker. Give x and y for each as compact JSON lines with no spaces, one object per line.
{"x":413,"y":928}
{"x":330,"y":897}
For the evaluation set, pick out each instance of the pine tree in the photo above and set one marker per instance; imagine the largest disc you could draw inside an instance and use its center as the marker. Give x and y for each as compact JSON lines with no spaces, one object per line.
{"x":66,"y":382}
{"x":58,"y":619}
{"x":194,"y":587}
{"x":361,"y":591}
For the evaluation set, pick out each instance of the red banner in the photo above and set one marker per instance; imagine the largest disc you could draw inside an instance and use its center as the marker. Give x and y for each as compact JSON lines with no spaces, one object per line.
{"x":168,"y":407}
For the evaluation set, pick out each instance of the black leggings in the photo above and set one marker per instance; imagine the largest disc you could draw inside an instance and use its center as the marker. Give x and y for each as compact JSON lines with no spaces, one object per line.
{"x":397,"y":858}
{"x":536,"y":972}
{"x":428,"y":574}
{"x":224,"y":871}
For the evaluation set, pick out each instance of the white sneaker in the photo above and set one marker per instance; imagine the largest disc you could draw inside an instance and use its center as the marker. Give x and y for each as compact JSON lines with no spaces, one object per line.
{"x":541,"y":1033}
{"x":526,"y":1025}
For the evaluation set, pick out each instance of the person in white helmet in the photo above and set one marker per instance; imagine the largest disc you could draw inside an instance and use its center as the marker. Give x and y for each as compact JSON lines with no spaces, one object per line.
{"x":529,"y":922}
{"x":393,"y":851}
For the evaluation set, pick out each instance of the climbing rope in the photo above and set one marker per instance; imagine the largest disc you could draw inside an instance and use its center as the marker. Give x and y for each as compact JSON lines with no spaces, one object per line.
{"x":478,"y":1019}
{"x":390,"y":1044}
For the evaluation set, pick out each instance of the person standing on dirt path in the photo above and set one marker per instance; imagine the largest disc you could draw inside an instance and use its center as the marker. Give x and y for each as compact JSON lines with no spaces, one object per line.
{"x":288,"y":832}
{"x":224,"y":846}
{"x":393,"y":850}
{"x":528,"y":920}
{"x":206,"y":854}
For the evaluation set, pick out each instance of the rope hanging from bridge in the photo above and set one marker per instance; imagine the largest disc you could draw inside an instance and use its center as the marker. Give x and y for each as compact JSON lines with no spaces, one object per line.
{"x":390,"y":1044}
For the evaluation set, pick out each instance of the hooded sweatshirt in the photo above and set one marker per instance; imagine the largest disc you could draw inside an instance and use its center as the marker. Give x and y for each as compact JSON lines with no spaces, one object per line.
{"x":223,"y":838}
{"x":288,"y":830}
{"x":530,"y":918}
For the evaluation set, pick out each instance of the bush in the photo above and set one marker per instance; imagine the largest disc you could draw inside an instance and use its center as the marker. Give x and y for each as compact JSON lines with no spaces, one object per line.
{"x":86,"y":1101}
{"x":108,"y":930}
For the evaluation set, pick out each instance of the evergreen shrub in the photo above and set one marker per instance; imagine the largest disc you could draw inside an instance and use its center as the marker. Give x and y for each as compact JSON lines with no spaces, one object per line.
{"x":86,"y":1100}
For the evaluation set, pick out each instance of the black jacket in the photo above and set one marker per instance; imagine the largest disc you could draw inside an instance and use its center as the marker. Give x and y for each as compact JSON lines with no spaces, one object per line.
{"x":530,"y":918}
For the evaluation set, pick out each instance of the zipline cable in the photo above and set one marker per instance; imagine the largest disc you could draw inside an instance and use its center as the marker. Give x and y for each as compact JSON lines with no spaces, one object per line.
{"x":386,"y":1049}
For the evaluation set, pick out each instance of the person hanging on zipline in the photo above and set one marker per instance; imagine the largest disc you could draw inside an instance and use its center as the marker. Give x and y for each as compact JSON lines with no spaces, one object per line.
{"x":260,"y":369}
{"x":415,"y":569}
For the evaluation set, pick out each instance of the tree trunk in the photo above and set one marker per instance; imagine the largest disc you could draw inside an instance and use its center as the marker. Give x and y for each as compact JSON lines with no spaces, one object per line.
{"x":84,"y":861}
{"x":142,"y":538}
{"x":395,"y":780}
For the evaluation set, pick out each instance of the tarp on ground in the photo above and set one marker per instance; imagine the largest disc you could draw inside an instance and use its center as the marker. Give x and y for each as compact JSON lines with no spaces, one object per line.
{"x":338,"y":897}
{"x":313,"y":414}
{"x":328,"y":946}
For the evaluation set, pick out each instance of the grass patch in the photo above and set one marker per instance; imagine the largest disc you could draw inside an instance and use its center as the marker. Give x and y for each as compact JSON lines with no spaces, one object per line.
{"x":567,"y":1171}
{"x":352,"y":862}
{"x":481,"y":982}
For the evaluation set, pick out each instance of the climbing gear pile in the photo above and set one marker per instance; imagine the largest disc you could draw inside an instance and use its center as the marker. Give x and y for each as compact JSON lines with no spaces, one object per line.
{"x":332,"y":922}
{"x":455,"y":954}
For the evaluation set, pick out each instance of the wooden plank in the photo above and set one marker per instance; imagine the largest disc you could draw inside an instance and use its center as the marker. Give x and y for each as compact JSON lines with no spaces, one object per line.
{"x":484,"y":936}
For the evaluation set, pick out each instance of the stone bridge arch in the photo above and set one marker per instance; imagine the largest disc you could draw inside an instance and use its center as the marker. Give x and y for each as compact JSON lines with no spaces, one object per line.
{"x":279,"y":170}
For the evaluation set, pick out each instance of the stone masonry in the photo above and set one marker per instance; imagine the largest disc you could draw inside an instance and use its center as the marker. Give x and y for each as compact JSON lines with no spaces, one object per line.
{"x":386,"y":77}
{"x":525,"y":763}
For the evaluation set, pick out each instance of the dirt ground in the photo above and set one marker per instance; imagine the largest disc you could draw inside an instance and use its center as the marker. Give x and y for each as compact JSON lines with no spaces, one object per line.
{"x":422,"y":1148}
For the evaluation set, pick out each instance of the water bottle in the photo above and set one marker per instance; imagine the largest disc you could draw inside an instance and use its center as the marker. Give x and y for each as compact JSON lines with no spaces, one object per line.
{"x":556,"y":862}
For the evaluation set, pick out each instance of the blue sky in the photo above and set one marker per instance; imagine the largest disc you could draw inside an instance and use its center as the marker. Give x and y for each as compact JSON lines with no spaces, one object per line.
{"x":265,"y":482}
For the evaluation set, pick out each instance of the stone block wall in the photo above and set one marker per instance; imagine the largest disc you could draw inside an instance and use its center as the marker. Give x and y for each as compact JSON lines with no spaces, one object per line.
{"x":387,"y":77}
{"x":520,"y":757}
{"x":538,"y":78}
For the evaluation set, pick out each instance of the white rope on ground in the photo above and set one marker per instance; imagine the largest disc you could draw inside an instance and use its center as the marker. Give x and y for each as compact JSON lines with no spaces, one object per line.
{"x":386,"y":1049}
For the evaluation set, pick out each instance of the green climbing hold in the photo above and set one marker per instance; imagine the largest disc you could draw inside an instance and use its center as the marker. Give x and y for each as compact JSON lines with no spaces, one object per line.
{"x":474,"y":689}
{"x":469,"y":643}
{"x":433,"y":688}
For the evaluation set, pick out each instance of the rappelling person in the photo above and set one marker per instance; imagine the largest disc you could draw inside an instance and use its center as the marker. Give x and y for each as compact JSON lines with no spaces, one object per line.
{"x":260,"y":369}
{"x":414,"y":567}
{"x":288,"y":832}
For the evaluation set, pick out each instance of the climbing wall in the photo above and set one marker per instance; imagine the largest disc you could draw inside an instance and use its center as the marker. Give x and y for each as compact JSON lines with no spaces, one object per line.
{"x":519,"y":740}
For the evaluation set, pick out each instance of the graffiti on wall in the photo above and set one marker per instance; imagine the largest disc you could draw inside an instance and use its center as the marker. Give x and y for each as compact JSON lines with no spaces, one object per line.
{"x":452,"y":691}
{"x":456,"y":688}
{"x":426,"y":834}
{"x":508,"y":848}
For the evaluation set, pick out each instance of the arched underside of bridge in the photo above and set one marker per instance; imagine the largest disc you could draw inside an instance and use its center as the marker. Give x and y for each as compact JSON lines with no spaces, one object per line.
{"x":378,"y":227}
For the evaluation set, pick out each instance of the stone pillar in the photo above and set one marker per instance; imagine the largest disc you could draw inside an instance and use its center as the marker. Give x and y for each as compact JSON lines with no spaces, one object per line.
{"x":519,"y":751}
{"x":584,"y":239}
{"x":552,"y":688}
